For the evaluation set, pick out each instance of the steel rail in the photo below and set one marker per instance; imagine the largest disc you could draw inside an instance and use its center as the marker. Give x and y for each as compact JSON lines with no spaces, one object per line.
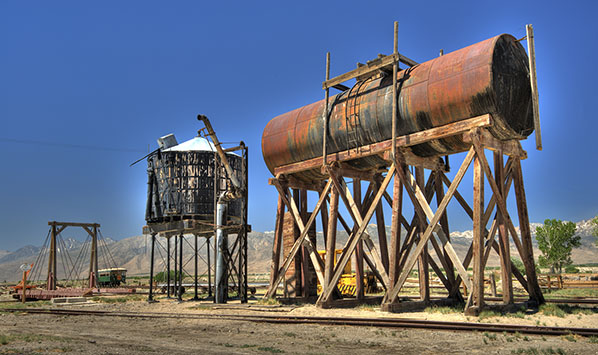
{"x":347,"y":321}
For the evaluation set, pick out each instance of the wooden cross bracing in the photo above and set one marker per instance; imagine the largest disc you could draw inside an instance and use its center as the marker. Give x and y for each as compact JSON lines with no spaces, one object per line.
{"x":392,"y":260}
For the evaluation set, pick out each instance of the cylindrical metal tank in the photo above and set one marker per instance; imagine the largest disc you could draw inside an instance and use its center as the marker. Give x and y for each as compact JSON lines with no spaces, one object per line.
{"x":182,"y":181}
{"x":488,"y":77}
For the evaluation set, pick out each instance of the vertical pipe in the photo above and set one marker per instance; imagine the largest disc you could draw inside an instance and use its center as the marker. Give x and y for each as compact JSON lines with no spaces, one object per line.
{"x":245,"y":226}
{"x":222,"y":243}
{"x":395,"y":67}
{"x":180,"y":293}
{"x":209,"y":252}
{"x":150,"y":298}
{"x":325,"y":118}
{"x":168,"y":267}
{"x":176,"y":275}
{"x":195,"y":297}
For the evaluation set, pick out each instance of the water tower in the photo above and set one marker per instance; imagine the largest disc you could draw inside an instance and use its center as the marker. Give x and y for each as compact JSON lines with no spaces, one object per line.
{"x":198,"y":188}
{"x":395,"y":128}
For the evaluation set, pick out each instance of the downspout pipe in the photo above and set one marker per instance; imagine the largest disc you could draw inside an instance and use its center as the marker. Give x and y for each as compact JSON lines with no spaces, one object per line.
{"x":237,"y":189}
{"x":235,"y":192}
{"x":221,"y":287}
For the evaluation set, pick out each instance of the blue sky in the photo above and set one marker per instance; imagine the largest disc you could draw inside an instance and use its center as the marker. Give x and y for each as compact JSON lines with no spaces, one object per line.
{"x":85,"y":88}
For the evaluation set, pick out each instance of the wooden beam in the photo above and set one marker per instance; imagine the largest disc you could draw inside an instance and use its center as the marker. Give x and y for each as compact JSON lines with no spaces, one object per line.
{"x":277,"y":243}
{"x":511,"y":147}
{"x":359,"y":291}
{"x":395,"y":231}
{"x":447,"y":130}
{"x":374,"y":65}
{"x":526,"y":236}
{"x":505,"y":252}
{"x":447,"y":264}
{"x":73,"y":224}
{"x":422,"y":261}
{"x":331,"y":242}
{"x":500,"y":201}
{"x":534,"y":84}
{"x":478,"y":236}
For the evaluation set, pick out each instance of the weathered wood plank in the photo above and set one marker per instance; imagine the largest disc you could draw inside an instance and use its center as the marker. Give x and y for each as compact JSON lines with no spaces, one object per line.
{"x":331,"y":242}
{"x":277,"y":243}
{"x":503,"y":240}
{"x":395,"y":231}
{"x":478,"y":242}
{"x":531,"y":49}
{"x":375,"y":65}
{"x":526,"y":236}
{"x":448,"y":130}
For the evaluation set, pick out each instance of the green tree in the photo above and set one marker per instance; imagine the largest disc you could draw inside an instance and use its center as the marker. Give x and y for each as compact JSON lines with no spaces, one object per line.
{"x":556,"y":239}
{"x":163,"y":275}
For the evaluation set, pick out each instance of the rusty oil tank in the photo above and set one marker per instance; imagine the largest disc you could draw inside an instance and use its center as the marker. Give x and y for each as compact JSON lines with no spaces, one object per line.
{"x":491,"y":76}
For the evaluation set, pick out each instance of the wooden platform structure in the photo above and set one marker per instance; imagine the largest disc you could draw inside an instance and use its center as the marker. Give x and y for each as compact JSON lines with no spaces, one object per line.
{"x":393,"y":259}
{"x":58,"y":227}
{"x":180,"y":228}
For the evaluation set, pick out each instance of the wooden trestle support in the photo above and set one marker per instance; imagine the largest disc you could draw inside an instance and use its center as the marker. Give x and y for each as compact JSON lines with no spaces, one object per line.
{"x":394,"y":259}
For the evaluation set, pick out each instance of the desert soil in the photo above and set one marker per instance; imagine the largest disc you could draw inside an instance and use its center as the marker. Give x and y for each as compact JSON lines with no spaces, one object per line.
{"x":29,"y":333}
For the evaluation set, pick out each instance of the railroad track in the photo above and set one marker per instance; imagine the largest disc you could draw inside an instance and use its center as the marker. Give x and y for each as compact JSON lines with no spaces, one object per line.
{"x":347,"y":321}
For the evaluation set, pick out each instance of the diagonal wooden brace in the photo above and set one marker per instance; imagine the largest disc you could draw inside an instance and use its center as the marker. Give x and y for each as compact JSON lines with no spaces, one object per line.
{"x":314,"y":256}
{"x":357,"y":236}
{"x":420,"y":202}
{"x":500,"y":200}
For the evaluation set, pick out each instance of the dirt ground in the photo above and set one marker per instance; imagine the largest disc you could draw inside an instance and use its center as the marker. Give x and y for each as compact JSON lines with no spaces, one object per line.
{"x":29,"y":333}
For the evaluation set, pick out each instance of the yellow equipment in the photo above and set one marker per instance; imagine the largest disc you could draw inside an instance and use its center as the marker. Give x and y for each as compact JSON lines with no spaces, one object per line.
{"x":347,"y":284}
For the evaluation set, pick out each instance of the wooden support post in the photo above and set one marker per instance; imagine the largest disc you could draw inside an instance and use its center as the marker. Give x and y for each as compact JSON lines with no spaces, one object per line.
{"x":534,"y":84}
{"x":93,"y":260}
{"x":359,"y":273}
{"x":331,"y":241}
{"x":324,"y":216}
{"x":51,"y":285}
{"x":395,"y":230}
{"x":526,"y":237}
{"x":395,"y":69}
{"x":325,"y":118}
{"x":305,"y":272}
{"x":422,"y":261}
{"x":503,"y":242}
{"x":478,"y":235}
{"x":277,"y":244}
{"x":382,"y":241}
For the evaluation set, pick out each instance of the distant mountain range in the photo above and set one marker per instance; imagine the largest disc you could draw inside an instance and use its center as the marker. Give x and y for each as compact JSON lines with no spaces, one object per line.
{"x":133,"y":253}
